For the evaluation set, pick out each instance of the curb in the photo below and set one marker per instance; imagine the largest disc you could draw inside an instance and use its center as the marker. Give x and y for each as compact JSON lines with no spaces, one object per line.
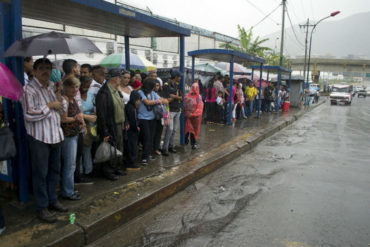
{"x":89,"y":232}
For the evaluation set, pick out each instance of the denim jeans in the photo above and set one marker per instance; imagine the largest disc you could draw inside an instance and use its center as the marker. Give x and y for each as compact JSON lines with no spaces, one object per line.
{"x":171,"y":131}
{"x":250,"y":107}
{"x":45,"y":160}
{"x":87,"y":160}
{"x":69,"y":153}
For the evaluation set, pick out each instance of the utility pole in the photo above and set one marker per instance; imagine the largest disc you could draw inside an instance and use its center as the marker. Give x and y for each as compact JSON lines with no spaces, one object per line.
{"x":306,"y":26}
{"x":282,"y":35}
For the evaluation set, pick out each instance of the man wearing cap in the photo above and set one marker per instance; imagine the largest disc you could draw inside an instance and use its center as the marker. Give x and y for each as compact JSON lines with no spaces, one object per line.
{"x":110,"y":111}
{"x":174,"y":95}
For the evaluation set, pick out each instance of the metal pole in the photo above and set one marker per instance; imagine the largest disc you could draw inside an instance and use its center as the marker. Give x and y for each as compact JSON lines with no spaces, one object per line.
{"x":282,"y":35}
{"x":182,"y":70}
{"x":309,"y":53}
{"x":231,"y":88}
{"x":192,"y":69}
{"x":252,"y":74}
{"x":268,"y":75}
{"x":127,"y":52}
{"x":259,"y":94}
{"x":305,"y":49}
{"x":277,"y":92}
{"x":16,"y":65}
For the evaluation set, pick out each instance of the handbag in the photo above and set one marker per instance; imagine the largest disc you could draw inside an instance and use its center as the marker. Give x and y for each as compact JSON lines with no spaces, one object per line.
{"x":106,"y":152}
{"x":158,"y":112}
{"x":8,"y":149}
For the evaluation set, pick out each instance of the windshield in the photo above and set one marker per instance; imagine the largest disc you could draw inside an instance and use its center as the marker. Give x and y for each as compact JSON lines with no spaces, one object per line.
{"x":342,"y":90}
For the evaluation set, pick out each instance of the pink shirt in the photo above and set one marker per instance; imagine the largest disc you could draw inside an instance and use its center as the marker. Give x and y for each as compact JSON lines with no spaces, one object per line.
{"x":213,"y":95}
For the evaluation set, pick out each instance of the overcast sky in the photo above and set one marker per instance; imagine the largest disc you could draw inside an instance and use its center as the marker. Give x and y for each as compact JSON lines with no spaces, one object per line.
{"x":224,"y":16}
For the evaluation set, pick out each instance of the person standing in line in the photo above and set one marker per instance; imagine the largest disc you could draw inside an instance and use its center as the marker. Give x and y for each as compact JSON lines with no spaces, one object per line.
{"x":110,"y":111}
{"x":211,"y":102}
{"x":72,"y":124}
{"x":250,"y":95}
{"x":193,"y":109}
{"x":42,"y":109}
{"x":86,"y":70}
{"x":146,"y":117}
{"x":159,"y":122}
{"x":124,"y":87}
{"x":133,"y":131}
{"x":173,"y":89}
{"x":90,"y":137}
{"x":28,"y":69}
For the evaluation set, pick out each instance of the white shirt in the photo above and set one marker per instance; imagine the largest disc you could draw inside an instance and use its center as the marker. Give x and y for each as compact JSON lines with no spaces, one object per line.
{"x":26,"y":79}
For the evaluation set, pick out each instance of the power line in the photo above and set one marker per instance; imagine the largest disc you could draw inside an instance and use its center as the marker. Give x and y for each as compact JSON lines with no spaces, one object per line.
{"x":264,"y":18}
{"x":294,"y":13}
{"x":291,"y":24}
{"x":313,"y":14}
{"x":259,"y":10}
{"x":303,"y":10}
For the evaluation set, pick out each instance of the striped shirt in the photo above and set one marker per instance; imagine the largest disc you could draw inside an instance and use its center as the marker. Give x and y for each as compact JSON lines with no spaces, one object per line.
{"x":41,"y":122}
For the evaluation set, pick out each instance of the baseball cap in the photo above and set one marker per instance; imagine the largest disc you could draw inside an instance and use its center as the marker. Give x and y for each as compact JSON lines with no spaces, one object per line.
{"x":113,"y":73}
{"x":175,"y":73}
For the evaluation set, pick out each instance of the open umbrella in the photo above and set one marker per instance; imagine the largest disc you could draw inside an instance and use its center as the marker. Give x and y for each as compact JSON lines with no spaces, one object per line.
{"x":10,"y":87}
{"x":237,"y":67}
{"x":263,"y":84}
{"x":117,"y":61}
{"x":206,"y":67}
{"x":51,"y":43}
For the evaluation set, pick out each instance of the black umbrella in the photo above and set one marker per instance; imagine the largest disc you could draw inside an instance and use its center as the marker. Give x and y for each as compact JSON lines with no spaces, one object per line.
{"x":51,"y":43}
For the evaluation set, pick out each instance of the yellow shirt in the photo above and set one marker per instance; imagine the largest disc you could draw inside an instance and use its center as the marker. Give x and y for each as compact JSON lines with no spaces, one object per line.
{"x":250,"y":93}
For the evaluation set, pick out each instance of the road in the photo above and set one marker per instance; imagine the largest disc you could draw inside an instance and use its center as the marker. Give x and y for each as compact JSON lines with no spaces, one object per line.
{"x":308,"y":185}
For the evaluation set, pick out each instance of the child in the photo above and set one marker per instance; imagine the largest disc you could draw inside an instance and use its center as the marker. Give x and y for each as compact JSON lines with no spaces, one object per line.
{"x":132,"y":131}
{"x":220,"y":105}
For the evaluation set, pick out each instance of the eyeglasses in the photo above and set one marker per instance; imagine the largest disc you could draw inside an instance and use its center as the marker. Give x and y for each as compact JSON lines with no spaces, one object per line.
{"x":126,"y":77}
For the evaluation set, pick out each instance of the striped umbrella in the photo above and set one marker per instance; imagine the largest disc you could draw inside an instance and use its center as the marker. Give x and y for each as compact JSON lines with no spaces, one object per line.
{"x":117,"y":60}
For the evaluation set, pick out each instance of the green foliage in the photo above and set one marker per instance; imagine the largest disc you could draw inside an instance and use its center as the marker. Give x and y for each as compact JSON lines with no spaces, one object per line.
{"x":254,"y":47}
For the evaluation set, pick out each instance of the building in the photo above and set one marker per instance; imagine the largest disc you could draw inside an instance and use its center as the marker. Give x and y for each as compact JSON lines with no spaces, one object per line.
{"x":162,"y":52}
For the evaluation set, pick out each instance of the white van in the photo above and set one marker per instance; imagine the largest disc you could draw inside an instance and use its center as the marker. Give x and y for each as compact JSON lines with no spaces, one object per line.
{"x":341,"y":93}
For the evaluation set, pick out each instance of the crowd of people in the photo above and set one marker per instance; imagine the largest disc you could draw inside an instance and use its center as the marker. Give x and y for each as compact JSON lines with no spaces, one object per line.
{"x":70,"y":112}
{"x":245,"y":101}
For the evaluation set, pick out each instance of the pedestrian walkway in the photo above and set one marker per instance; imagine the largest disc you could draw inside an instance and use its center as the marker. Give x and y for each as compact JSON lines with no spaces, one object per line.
{"x":106,"y":205}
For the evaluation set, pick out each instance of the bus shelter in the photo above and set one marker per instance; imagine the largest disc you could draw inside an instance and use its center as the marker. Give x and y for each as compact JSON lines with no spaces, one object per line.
{"x":97,"y":15}
{"x":228,"y":56}
{"x":273,"y":69}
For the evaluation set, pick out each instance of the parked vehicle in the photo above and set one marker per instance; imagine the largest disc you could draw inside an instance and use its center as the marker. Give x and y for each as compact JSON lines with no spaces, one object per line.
{"x":361,"y":93}
{"x":367,"y":91}
{"x":341,"y":93}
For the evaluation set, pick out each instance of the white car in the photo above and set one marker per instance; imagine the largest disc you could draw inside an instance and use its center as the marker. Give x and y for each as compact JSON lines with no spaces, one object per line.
{"x":368,"y":91}
{"x":341,"y":93}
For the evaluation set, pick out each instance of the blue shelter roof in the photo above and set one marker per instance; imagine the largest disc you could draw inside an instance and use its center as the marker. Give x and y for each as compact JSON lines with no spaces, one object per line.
{"x":274,"y":69}
{"x":102,"y":16}
{"x":225,"y":55}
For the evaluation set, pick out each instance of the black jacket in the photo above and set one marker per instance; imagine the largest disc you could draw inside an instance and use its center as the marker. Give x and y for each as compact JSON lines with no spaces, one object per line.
{"x":131,"y":112}
{"x":106,"y":125}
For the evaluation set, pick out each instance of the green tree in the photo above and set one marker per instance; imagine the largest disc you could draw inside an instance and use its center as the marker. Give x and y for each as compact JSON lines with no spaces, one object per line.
{"x":255,"y":47}
{"x":248,"y":44}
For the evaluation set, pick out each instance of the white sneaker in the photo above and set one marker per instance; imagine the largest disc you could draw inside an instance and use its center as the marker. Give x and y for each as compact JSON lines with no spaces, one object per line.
{"x":2,"y":229}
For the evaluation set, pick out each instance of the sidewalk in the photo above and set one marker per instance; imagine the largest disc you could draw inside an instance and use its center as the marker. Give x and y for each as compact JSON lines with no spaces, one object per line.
{"x":106,"y":205}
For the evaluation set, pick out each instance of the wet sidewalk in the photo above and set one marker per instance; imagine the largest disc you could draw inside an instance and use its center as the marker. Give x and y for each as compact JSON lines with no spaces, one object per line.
{"x":106,"y":205}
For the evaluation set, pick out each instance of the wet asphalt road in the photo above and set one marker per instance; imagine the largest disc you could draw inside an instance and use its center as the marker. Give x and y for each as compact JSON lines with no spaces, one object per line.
{"x":307,"y":185}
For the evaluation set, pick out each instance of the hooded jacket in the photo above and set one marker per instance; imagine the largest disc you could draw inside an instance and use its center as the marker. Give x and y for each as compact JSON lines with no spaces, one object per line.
{"x":131,"y":112}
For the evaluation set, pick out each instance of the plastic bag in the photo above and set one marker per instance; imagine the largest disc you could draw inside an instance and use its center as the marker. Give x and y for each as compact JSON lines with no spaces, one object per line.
{"x":8,"y":149}
{"x":106,"y":152}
